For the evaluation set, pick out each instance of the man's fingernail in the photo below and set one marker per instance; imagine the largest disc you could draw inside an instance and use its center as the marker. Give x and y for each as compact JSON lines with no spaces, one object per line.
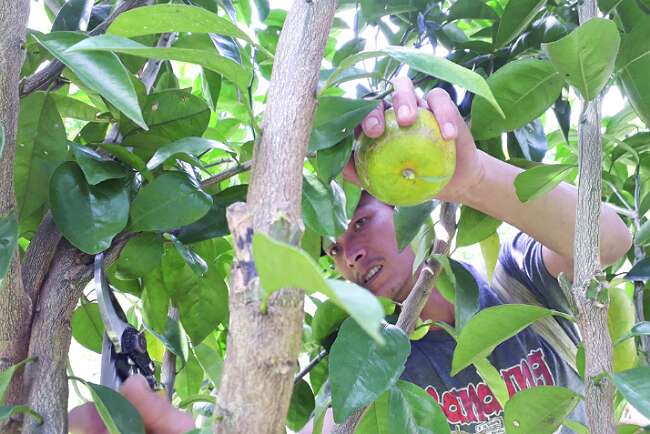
{"x":404,"y":111}
{"x":372,"y":122}
{"x":449,"y":130}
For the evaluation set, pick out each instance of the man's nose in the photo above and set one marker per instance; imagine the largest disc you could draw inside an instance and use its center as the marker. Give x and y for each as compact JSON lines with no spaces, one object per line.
{"x":355,"y":256}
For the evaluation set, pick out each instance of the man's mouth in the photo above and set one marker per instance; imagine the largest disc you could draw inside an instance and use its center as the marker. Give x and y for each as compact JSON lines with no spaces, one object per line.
{"x":372,"y":273}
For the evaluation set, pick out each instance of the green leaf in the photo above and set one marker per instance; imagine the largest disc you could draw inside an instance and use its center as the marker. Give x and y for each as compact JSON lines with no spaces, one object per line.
{"x":173,"y":339}
{"x":140,"y":255}
{"x":101,"y":72}
{"x":586,"y":56}
{"x":301,"y":406}
{"x":491,"y":326}
{"x":214,"y":223}
{"x":539,"y":180}
{"x":331,"y":161}
{"x":189,"y":379}
{"x":6,"y":411}
{"x":408,"y":220}
{"x":404,"y":408}
{"x":336,"y":118}
{"x":471,"y":9}
{"x":607,"y":5}
{"x":446,"y":70}
{"x":209,"y":59}
{"x":321,"y":210}
{"x":7,"y":375}
{"x":211,"y":362}
{"x":348,"y":62}
{"x":352,"y":196}
{"x":74,"y":15}
{"x":539,"y":410}
{"x":8,"y":241}
{"x":87,"y":326}
{"x":327,"y":319}
{"x":89,"y":216}
{"x":493,"y":379}
{"x":117,"y":413}
{"x":490,"y":251}
{"x":515,"y":18}
{"x":632,"y":65}
{"x":348,"y":49}
{"x":73,"y":108}
{"x":579,"y":428}
{"x":41,"y":146}
{"x":280,"y":265}
{"x":191,"y":258}
{"x":361,"y":369}
{"x":467,"y":294}
{"x":211,"y":86}
{"x":635,"y":387}
{"x":154,"y":208}
{"x":127,"y":157}
{"x":155,"y":301}
{"x":640,"y":270}
{"x":474,"y":226}
{"x":95,"y":167}
{"x":524,"y":90}
{"x":190,"y":146}
{"x":167,"y":18}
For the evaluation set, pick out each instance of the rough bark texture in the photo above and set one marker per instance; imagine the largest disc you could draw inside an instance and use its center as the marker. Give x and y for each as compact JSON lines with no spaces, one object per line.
{"x":592,"y":316}
{"x":15,"y":305}
{"x":50,"y":339}
{"x":263,"y":347}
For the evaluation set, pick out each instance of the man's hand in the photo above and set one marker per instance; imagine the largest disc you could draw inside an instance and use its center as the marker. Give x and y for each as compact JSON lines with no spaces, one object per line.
{"x":159,"y":416}
{"x":405,"y":103}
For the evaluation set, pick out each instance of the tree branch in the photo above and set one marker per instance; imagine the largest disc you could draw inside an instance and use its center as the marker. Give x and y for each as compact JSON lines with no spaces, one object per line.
{"x":263,"y":346}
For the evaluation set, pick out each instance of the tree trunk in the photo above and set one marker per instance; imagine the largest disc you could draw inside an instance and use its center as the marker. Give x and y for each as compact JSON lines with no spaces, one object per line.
{"x":15,"y":305}
{"x":263,"y":347}
{"x":592,"y":316}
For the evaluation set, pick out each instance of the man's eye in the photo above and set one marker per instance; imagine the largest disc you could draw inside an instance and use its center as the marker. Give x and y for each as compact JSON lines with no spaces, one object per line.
{"x":359,"y":223}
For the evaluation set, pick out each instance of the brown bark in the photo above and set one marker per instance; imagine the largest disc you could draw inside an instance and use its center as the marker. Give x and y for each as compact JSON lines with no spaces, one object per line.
{"x":592,"y":316}
{"x":263,"y":347}
{"x":15,"y":304}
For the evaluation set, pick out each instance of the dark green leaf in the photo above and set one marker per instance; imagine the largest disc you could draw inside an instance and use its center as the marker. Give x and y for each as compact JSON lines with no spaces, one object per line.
{"x":643,"y":234}
{"x":327,"y":319}
{"x":467,"y":294}
{"x":73,"y":108}
{"x":539,"y":410}
{"x":214,"y":223}
{"x":471,"y":9}
{"x":209,"y":59}
{"x":635,"y":387}
{"x":191,"y":258}
{"x":640,"y":270}
{"x":373,"y":9}
{"x":189,"y":379}
{"x":211,"y":85}
{"x":140,"y":255}
{"x":154,"y":208}
{"x":331,"y":161}
{"x":321,"y":210}
{"x":352,"y":197}
{"x":539,"y":180}
{"x":408,"y":220}
{"x":532,"y":140}
{"x":95,"y":167}
{"x":89,"y":216}
{"x":607,"y":5}
{"x":585,"y":57}
{"x":404,"y":408}
{"x":490,"y":327}
{"x":474,"y":226}
{"x":87,"y":326}
{"x":8,"y":241}
{"x":336,"y":118}
{"x":350,"y":48}
{"x":191,"y":146}
{"x":447,"y":70}
{"x":360,"y":369}
{"x":101,"y":72}
{"x":41,"y":146}
{"x":632,"y":65}
{"x":211,"y":362}
{"x":74,"y":15}
{"x":301,"y":406}
{"x":126,"y":156}
{"x":7,"y":375}
{"x":6,"y":411}
{"x":117,"y":413}
{"x":280,"y":265}
{"x":155,"y":301}
{"x":516,"y":17}
{"x":524,"y":89}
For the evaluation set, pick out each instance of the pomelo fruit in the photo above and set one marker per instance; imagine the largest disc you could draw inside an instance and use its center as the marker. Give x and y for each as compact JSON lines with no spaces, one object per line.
{"x":405,"y":166}
{"x":621,"y":317}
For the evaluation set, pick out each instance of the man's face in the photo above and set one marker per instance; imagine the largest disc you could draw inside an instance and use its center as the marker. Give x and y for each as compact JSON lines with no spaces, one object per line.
{"x":367,"y":252}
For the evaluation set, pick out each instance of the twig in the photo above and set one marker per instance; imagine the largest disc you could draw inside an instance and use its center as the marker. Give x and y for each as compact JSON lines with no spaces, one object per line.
{"x":310,"y":366}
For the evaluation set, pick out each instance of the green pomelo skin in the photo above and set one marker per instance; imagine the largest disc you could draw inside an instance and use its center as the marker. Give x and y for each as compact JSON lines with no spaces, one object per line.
{"x":405,"y":166}
{"x":620,"y":319}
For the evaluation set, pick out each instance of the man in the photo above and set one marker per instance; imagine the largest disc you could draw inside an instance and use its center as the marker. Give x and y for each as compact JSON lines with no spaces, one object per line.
{"x":367,"y":254}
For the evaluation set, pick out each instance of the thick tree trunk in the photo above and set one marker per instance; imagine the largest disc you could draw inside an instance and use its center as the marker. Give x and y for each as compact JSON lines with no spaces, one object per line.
{"x":592,"y":316}
{"x":15,"y":305}
{"x":263,"y":347}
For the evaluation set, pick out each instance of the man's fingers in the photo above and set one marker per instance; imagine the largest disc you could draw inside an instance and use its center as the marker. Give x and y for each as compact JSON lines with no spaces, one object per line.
{"x":373,"y":124}
{"x":445,"y":112}
{"x":85,"y":420}
{"x":158,"y":414}
{"x":405,"y":101}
